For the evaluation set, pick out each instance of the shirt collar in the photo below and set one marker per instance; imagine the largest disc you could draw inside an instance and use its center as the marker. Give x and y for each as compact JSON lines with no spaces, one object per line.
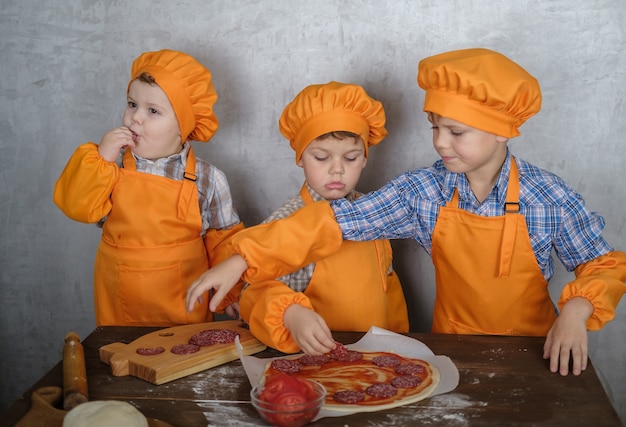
{"x":180,"y":157}
{"x":316,"y":197}
{"x":460,"y":182}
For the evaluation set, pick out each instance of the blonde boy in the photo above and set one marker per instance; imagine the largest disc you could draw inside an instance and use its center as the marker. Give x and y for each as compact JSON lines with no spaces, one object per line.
{"x":331,"y":127}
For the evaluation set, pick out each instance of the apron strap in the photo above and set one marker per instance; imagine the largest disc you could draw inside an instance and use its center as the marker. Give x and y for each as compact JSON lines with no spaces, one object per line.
{"x":188,"y":188}
{"x":511,"y":211}
{"x":128,"y":161}
{"x":306,"y":196}
{"x":454,"y":201}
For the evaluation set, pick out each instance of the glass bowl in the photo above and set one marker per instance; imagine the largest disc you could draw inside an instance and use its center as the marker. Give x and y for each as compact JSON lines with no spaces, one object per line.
{"x":289,"y":415}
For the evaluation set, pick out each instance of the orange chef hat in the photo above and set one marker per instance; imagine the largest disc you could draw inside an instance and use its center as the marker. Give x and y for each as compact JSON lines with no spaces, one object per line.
{"x":188,"y":86}
{"x":480,"y":88}
{"x":331,"y":107}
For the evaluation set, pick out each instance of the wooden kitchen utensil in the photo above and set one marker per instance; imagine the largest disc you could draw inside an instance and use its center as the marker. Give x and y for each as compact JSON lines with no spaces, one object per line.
{"x":48,"y":403}
{"x":167,"y":366}
{"x":75,"y":390}
{"x":44,"y":409}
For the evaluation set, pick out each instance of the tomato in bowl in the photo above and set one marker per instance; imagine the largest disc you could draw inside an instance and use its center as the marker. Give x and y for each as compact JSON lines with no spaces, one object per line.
{"x":286,"y":401}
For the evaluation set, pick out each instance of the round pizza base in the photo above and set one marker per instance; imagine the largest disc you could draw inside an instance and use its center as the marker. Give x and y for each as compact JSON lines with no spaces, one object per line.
{"x":400,"y":402}
{"x":434,"y":377}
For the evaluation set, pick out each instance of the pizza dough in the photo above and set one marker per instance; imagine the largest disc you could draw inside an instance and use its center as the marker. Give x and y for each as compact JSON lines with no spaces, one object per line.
{"x":105,"y":413}
{"x":363,"y":381}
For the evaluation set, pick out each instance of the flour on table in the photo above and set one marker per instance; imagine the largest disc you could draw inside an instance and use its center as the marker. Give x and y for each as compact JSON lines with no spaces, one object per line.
{"x":229,"y":415}
{"x":441,"y":409}
{"x":220,"y":377}
{"x":453,"y":400}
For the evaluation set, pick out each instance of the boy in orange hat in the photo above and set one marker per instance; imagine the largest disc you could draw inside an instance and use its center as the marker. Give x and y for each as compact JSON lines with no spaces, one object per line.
{"x":490,"y":221}
{"x":330,"y":127}
{"x":165,"y":214}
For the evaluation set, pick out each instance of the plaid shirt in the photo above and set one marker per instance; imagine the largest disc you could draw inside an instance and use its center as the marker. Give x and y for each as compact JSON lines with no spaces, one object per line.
{"x":408,"y":207}
{"x":214,"y":198}
{"x":299,"y":280}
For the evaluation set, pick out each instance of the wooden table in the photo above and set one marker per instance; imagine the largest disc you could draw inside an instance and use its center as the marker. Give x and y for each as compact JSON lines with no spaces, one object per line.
{"x":503,"y":381}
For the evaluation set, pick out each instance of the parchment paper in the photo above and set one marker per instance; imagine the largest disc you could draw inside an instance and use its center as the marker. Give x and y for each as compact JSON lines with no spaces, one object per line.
{"x":376,"y":339}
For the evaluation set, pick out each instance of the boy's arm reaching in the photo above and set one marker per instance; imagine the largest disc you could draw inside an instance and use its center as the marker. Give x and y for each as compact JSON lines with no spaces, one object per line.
{"x":271,"y":250}
{"x":284,"y":319}
{"x":216,"y":244}
{"x":283,"y":246}
{"x":309,"y":330}
{"x":223,"y":277}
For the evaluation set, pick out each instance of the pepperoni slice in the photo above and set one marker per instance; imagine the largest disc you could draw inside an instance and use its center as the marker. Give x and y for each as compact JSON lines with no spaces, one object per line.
{"x":381,"y":390}
{"x":386,"y":361}
{"x":185,"y":348}
{"x":287,"y":366}
{"x":410,"y":369}
{"x":406,"y":381}
{"x":150,"y":351}
{"x":213,"y":336}
{"x":223,"y":336}
{"x":349,"y":396}
{"x":339,"y":352}
{"x":309,"y":360}
{"x":352,"y":356}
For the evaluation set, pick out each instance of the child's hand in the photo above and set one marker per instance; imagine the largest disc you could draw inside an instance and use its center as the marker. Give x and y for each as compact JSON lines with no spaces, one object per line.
{"x":114,"y":141}
{"x":222,"y":278}
{"x":308,"y":329}
{"x":233,"y":311}
{"x":568,"y":336}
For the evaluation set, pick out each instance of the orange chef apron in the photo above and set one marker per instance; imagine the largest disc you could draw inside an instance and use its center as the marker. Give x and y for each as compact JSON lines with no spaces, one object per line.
{"x":364,"y":294}
{"x":487,"y":276}
{"x":151,"y":250}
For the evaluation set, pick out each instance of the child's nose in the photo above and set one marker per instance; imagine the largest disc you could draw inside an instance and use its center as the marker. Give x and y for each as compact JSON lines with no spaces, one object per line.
{"x":439,"y":141}
{"x":336,"y":166}
{"x":137,"y":116}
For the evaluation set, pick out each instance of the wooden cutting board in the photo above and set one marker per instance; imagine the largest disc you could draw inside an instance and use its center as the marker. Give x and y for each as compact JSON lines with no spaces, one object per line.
{"x":167,"y":366}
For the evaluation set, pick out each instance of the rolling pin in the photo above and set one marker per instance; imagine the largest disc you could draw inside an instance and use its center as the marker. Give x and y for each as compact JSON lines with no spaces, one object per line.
{"x":74,"y":372}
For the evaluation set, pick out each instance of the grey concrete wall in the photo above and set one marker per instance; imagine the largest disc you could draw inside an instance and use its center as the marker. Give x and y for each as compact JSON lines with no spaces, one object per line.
{"x":64,"y":68}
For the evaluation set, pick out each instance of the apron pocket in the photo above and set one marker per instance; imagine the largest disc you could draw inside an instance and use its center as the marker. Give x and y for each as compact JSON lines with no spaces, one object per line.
{"x":152,"y":295}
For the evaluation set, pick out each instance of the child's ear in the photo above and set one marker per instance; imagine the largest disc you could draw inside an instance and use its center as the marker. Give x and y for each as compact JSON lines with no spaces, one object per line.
{"x":364,"y":162}
{"x":300,"y":163}
{"x":501,"y":138}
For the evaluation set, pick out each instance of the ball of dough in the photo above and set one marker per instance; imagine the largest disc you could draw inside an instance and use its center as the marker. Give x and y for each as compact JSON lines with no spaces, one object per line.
{"x":105,"y":413}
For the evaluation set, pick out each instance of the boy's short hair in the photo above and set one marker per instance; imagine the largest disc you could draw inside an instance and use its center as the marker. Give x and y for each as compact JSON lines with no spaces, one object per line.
{"x":146,"y":78}
{"x":480,"y":88}
{"x":339,"y":134}
{"x":334,"y":106}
